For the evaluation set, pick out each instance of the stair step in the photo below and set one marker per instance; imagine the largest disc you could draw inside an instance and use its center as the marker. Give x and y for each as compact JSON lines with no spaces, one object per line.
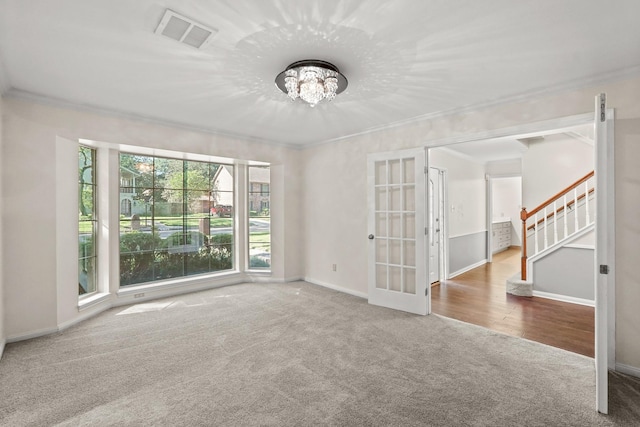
{"x":519,"y":287}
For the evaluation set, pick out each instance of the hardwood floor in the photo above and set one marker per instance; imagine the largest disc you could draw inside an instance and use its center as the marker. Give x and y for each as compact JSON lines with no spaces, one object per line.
{"x":478,"y":297}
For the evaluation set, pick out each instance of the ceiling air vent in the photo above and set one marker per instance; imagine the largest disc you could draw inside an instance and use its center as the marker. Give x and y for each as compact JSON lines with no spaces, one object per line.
{"x":184,"y":30}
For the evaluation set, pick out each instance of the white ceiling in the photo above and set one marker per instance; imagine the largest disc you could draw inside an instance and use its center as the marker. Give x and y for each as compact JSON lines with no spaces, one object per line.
{"x":404,"y":59}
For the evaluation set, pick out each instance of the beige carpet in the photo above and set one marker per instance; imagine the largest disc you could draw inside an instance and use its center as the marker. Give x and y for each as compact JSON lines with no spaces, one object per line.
{"x":293,"y":354}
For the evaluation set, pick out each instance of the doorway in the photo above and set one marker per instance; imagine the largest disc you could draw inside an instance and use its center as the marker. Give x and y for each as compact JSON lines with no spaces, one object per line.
{"x":504,"y":202}
{"x":436,"y":224}
{"x":604,"y":227}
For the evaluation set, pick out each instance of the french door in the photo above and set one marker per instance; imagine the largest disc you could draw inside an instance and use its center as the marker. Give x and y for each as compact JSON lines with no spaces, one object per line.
{"x":605,"y":269}
{"x":435,"y":226}
{"x":396,"y":221}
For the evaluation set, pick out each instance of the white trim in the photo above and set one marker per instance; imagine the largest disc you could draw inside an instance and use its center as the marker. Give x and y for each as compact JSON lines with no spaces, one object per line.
{"x":605,"y":250}
{"x":30,"y":335}
{"x":467,"y":234}
{"x":2,"y":344}
{"x":564,"y":298}
{"x":628,"y":369}
{"x":257,"y":278}
{"x":93,"y":300}
{"x":171,"y":288}
{"x":336,"y":287}
{"x":468,"y":268}
{"x":578,"y":246}
{"x":610,"y":207}
{"x":96,"y":309}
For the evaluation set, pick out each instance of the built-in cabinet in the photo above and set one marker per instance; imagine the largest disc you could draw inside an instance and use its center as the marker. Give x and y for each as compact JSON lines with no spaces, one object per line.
{"x":501,"y":235}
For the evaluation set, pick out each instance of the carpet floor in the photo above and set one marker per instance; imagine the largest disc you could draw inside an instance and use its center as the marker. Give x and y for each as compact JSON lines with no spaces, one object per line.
{"x":295,"y":354}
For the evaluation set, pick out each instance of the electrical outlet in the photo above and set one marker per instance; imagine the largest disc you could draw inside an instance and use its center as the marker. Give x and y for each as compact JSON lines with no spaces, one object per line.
{"x":138,"y":295}
{"x":334,"y":267}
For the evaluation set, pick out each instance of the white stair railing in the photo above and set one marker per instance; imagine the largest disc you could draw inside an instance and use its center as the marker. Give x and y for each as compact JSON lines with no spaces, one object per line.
{"x":582,"y":189}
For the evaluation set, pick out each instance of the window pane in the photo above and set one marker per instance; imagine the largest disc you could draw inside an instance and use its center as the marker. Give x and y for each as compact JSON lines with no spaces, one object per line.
{"x":259,"y":255}
{"x":175,"y":227}
{"x":85,"y":165}
{"x":87,"y":222}
{"x":197,"y":176}
{"x":169,"y":173}
{"x":259,"y":186}
{"x":87,"y":276}
{"x":86,"y":201}
{"x":86,"y":233}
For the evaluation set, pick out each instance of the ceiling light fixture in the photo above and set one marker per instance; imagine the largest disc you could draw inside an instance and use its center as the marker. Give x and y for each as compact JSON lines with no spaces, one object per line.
{"x":312,"y":80}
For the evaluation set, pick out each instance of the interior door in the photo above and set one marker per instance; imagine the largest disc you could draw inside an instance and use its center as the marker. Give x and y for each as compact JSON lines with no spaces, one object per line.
{"x":605,"y":279}
{"x":435,"y":223}
{"x":396,"y":221}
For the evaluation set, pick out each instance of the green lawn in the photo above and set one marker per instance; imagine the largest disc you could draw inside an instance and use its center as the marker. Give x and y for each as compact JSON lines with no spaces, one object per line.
{"x":260,"y":241}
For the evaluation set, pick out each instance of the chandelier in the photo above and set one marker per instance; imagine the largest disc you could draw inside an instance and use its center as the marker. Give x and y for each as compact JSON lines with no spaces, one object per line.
{"x":312,"y":81}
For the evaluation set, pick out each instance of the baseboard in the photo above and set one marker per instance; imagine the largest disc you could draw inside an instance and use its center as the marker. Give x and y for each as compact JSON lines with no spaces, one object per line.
{"x":336,"y":288}
{"x":629,"y":370}
{"x":34,"y":334}
{"x":86,"y":314}
{"x":467,"y":268}
{"x":128,"y":296}
{"x":564,"y":298}
{"x":268,"y":279}
{"x":2,"y":343}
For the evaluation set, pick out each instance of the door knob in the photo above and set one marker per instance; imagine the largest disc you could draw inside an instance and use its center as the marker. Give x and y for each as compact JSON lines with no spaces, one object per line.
{"x":371,"y":236}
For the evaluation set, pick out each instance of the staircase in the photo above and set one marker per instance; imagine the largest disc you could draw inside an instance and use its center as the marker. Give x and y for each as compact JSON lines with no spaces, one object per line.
{"x":559,"y":221}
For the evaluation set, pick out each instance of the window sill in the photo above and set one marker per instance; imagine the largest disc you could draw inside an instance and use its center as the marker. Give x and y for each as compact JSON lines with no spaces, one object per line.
{"x":257,"y":272}
{"x":93,"y":300}
{"x":181,"y":282}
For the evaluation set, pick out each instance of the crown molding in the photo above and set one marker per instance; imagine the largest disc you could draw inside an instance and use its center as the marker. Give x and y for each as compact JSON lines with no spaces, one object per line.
{"x":611,"y":77}
{"x":57,"y":102}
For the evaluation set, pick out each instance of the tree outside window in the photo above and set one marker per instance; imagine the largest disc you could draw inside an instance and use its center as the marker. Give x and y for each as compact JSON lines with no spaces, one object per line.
{"x":87,"y":221}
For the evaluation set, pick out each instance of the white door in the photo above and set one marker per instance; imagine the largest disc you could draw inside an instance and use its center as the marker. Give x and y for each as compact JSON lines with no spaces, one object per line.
{"x":396,"y":204}
{"x":435,"y":223}
{"x":604,"y":352}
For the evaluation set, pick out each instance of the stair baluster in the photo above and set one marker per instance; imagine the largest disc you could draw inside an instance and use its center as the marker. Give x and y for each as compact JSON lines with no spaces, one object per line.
{"x":566,"y":206}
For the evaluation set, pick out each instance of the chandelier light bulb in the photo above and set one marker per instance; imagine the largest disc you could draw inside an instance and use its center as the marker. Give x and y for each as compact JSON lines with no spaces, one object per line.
{"x":312,"y":81}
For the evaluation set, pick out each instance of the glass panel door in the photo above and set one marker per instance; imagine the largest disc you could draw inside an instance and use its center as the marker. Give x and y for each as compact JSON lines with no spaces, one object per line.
{"x":397,"y":261}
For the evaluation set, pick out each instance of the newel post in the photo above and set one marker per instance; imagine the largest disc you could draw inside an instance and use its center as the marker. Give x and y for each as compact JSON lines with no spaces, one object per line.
{"x":523,"y":259}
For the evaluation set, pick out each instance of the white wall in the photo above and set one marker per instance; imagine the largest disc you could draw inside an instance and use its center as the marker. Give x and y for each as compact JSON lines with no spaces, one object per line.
{"x":506,"y":202}
{"x":505,"y":167}
{"x":2,"y":303}
{"x":334,"y":202}
{"x":34,"y":136}
{"x":551,"y":164}
{"x":466,"y":207}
